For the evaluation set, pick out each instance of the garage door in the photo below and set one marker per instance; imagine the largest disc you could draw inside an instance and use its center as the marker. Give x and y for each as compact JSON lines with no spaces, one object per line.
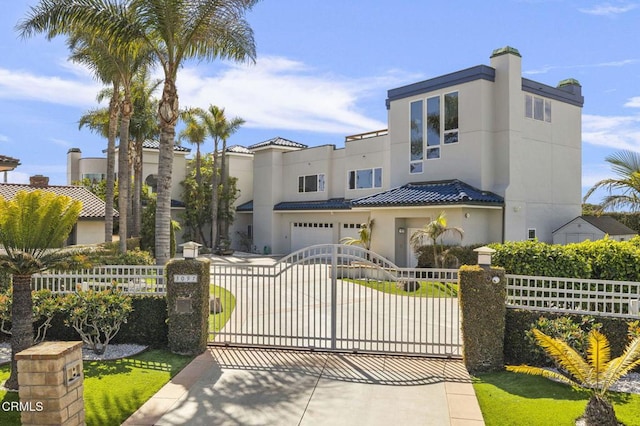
{"x":305,"y":234}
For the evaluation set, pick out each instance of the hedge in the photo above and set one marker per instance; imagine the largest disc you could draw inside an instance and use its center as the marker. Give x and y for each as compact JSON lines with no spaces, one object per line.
{"x":455,"y":256}
{"x":604,"y":259}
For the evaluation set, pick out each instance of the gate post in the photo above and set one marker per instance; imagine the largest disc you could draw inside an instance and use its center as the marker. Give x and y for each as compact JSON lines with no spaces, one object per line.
{"x":188,"y":305}
{"x":482,"y":295}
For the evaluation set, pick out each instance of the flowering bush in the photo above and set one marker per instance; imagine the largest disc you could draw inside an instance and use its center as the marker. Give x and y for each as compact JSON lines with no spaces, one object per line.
{"x":45,"y":306}
{"x":97,"y":315}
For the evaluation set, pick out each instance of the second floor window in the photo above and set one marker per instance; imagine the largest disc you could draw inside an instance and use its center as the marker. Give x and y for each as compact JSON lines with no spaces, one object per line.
{"x":537,"y":108}
{"x":311,"y":183}
{"x":365,"y":178}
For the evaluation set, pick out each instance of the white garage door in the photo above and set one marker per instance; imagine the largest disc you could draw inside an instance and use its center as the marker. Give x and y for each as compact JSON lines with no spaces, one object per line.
{"x":305,"y":234}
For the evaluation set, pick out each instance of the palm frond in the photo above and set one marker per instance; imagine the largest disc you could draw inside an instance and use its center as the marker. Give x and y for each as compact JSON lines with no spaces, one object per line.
{"x":623,"y":364}
{"x":537,"y":371}
{"x":564,"y":355}
{"x":598,"y":355}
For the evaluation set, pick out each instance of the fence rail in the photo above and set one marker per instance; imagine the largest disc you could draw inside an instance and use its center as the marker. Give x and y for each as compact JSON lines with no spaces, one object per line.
{"x":132,"y":279}
{"x":570,"y":295}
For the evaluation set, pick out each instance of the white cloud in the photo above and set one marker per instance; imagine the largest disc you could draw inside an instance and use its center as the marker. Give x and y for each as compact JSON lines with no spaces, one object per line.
{"x":4,"y":138}
{"x":618,"y":132}
{"x":545,"y":69}
{"x":608,"y":9}
{"x":633,"y":102}
{"x":25,"y":85}
{"x":278,"y":92}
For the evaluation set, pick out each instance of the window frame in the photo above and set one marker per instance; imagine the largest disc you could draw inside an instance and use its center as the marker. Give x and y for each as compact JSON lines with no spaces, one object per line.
{"x":376,"y":178}
{"x":320,"y":181}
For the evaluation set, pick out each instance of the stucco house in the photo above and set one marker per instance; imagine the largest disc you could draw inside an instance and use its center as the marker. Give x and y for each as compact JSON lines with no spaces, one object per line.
{"x":7,"y":164}
{"x":592,"y":228}
{"x":89,"y":229}
{"x":498,"y":153}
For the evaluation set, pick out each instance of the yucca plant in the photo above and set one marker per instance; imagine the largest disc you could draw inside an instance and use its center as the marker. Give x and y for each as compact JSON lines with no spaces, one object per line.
{"x":597,"y":373}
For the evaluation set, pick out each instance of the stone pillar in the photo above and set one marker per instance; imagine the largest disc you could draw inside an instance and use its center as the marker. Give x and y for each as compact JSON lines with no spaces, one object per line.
{"x":482,"y":296}
{"x":51,"y":384}
{"x":188,"y":305}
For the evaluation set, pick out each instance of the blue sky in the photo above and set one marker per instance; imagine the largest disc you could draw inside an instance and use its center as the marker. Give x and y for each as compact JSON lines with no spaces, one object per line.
{"x":324,"y":68}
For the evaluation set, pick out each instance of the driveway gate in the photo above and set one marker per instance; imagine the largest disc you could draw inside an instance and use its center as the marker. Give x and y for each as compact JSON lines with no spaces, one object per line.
{"x":338,"y":298}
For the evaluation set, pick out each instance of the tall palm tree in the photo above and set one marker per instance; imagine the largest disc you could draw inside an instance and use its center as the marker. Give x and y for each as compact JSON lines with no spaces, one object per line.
{"x":32,"y":226}
{"x":175,"y":31}
{"x":219,"y":128}
{"x":194,"y":133}
{"x":626,"y":166}
{"x":434,"y":230}
{"x":597,"y":373}
{"x":144,"y":126}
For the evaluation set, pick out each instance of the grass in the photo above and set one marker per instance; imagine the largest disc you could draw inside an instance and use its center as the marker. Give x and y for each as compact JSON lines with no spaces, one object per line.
{"x":228,"y":300}
{"x":427,"y":288}
{"x":511,"y":399}
{"x":113,"y":390}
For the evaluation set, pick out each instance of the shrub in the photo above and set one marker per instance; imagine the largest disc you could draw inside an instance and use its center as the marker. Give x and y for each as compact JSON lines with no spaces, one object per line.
{"x":131,"y":257}
{"x":611,"y":260}
{"x":453,"y":256}
{"x":541,"y":259}
{"x":97,"y":316}
{"x":45,"y":306}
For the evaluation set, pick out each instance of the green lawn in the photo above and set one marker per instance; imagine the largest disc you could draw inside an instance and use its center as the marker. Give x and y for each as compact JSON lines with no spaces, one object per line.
{"x":511,"y":399}
{"x":427,"y":289}
{"x":217,"y":321}
{"x":113,"y":390}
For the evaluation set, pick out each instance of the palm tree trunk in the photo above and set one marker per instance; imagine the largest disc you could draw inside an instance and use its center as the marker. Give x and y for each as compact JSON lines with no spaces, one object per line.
{"x":123,"y":171}
{"x":114,"y":112}
{"x":21,"y":324}
{"x":215,"y":196}
{"x":224,"y":193}
{"x":168,"y":117}
{"x":599,"y":412}
{"x":137,"y":189}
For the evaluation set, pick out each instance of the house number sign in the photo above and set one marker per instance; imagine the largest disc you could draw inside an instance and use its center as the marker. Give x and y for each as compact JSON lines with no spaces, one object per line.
{"x":185,"y":278}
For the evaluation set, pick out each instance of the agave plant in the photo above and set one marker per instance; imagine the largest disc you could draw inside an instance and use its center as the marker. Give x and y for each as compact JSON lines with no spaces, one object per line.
{"x":597,"y":373}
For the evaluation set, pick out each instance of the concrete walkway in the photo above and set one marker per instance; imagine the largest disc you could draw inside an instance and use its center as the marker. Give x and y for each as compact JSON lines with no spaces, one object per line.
{"x":240,"y":386}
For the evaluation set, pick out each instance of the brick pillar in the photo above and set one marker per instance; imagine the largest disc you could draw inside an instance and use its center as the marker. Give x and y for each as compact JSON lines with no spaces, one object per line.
{"x":51,"y":384}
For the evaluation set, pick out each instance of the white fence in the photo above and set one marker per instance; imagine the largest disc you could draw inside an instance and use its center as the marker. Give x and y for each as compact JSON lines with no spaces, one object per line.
{"x":571,"y":295}
{"x":132,"y":279}
{"x":568,"y":295}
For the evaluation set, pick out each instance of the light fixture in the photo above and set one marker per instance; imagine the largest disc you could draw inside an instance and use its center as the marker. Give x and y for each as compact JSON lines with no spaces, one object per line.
{"x":467,"y":215}
{"x":401,"y":230}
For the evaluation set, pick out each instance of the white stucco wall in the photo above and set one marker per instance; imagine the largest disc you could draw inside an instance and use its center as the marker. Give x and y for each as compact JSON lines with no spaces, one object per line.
{"x":89,"y":231}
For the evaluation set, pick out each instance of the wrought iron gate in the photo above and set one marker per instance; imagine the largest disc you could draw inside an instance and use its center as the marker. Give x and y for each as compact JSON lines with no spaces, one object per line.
{"x":338,"y":298}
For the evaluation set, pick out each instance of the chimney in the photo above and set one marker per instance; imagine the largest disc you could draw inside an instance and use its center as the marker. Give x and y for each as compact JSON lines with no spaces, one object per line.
{"x":39,"y":181}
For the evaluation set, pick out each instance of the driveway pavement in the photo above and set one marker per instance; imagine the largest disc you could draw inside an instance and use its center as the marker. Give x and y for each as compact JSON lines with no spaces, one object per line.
{"x":240,"y":386}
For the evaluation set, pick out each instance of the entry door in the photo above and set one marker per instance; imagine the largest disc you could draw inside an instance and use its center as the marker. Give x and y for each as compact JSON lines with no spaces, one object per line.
{"x":412,"y":260}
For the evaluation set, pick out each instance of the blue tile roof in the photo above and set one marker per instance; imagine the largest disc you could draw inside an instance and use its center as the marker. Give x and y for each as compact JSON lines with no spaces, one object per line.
{"x":330,"y":204}
{"x":245,"y":207}
{"x":430,"y":193}
{"x":278,"y":141}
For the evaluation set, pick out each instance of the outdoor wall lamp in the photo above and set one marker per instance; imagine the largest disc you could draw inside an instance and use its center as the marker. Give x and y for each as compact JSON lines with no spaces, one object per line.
{"x":401,"y":230}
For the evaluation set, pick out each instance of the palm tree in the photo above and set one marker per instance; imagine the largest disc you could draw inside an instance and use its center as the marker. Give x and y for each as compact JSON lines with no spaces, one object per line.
{"x":32,"y":226}
{"x":434,"y":230}
{"x":597,"y":373}
{"x":220,"y":129}
{"x":144,"y":126}
{"x":175,"y":31}
{"x":626,"y":166}
{"x":364,"y":234}
{"x":194,"y":133}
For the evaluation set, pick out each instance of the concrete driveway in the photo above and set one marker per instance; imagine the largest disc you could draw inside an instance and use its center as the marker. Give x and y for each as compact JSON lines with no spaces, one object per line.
{"x":238,"y":386}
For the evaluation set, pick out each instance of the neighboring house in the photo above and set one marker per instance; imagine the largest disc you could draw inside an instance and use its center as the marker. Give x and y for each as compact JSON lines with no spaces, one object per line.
{"x":90,"y":226}
{"x":7,"y":164}
{"x":95,"y":169}
{"x":498,"y":153}
{"x":592,"y":228}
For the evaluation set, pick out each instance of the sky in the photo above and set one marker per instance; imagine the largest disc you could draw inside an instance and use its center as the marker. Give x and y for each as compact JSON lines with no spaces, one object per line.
{"x":324,"y":67}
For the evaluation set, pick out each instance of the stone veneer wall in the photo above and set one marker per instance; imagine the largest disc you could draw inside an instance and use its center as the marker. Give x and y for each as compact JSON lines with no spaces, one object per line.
{"x":51,"y":384}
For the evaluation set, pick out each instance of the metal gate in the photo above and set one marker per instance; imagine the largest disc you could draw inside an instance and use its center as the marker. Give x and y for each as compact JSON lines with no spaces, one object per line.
{"x":338,"y":298}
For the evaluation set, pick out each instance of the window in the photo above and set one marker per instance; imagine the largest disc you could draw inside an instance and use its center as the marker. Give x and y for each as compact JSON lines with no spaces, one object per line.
{"x":531,"y":233}
{"x":415,"y":167}
{"x":537,"y":108}
{"x":417,"y":136}
{"x":94,"y":177}
{"x":451,"y":118}
{"x":365,"y":178}
{"x":433,"y":128}
{"x":311,"y":183}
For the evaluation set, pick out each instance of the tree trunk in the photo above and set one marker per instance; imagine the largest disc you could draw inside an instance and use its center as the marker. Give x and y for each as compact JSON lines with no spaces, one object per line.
{"x":224,"y":192}
{"x":599,"y":412}
{"x":21,"y":324}
{"x":137,"y":189}
{"x":215,"y":197}
{"x":168,"y":117}
{"x":114,"y":112}
{"x":123,"y":171}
